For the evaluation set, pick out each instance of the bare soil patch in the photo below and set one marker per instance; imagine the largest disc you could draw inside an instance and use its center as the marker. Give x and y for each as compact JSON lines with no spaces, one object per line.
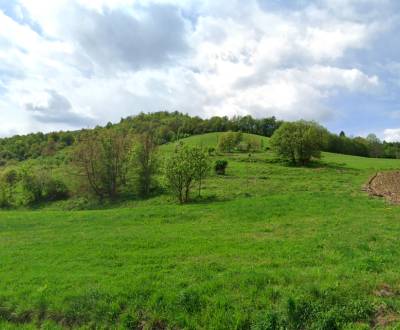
{"x":385,"y":184}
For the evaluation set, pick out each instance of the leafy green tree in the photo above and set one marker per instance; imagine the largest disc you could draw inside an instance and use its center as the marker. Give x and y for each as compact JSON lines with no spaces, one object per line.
{"x":145,"y":162}
{"x":229,"y":141}
{"x":185,"y":166}
{"x":101,"y":158}
{"x":375,"y":146}
{"x":299,"y":141}
{"x":202,"y":164}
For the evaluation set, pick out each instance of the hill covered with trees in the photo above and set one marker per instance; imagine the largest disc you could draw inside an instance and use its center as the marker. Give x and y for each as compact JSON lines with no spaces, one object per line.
{"x":172,"y":126}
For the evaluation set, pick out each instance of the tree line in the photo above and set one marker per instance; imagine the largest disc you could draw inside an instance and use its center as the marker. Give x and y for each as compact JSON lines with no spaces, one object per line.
{"x":172,"y":126}
{"x":112,"y":162}
{"x":164,"y":126}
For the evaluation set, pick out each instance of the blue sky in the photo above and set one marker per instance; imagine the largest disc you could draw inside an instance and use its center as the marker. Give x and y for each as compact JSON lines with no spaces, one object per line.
{"x":68,"y":64}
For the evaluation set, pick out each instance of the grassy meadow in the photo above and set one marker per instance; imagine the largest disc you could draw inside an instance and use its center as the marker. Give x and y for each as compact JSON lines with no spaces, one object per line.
{"x":267,"y":246}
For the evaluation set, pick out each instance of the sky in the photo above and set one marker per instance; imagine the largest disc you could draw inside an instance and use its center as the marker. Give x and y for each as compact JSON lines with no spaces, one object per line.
{"x":71,"y":64}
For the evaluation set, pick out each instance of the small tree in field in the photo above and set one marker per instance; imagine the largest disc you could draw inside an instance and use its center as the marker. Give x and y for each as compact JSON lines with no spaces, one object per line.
{"x":202,"y":164}
{"x":299,"y":141}
{"x":101,"y":158}
{"x":228,"y":141}
{"x":183,"y":168}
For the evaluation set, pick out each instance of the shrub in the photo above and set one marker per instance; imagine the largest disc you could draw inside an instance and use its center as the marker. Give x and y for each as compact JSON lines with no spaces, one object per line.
{"x":220,"y":166}
{"x":55,"y":190}
{"x":299,"y":141}
{"x":32,"y":187}
{"x":8,"y":183}
{"x":211,"y":151}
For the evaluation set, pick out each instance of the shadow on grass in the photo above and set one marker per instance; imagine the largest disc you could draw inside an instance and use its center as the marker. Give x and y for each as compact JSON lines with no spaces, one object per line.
{"x":208,"y":199}
{"x":314,"y":164}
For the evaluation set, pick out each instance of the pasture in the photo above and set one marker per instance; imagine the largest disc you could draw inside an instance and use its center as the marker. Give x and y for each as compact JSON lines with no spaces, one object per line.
{"x":266,"y":246}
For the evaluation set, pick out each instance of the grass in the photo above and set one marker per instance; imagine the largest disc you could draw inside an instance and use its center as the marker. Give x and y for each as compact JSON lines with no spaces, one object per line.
{"x":266,"y":246}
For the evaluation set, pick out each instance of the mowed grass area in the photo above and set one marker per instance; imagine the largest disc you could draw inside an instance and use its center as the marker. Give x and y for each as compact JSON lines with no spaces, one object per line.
{"x":267,"y":245}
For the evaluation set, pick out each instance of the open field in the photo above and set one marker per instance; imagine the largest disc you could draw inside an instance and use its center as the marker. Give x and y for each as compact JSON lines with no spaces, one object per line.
{"x":266,"y":245}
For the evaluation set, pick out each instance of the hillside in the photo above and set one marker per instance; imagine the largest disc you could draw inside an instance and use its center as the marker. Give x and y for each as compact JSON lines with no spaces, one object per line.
{"x":266,"y":245}
{"x":210,"y":140}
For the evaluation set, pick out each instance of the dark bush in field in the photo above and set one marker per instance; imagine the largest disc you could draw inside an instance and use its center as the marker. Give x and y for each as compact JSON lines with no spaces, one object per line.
{"x":220,"y":166}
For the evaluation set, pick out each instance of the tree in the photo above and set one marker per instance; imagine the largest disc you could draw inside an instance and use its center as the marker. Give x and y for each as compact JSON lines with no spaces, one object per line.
{"x":375,"y":146}
{"x":183,"y":168}
{"x":145,"y":162}
{"x":101,"y":158}
{"x":228,"y":141}
{"x":202,"y":164}
{"x":299,"y":141}
{"x":9,"y":180}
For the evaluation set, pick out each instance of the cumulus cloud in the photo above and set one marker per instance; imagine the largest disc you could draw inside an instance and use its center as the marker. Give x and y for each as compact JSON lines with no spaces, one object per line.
{"x":56,"y":109}
{"x":151,"y":37}
{"x":72,"y":63}
{"x":392,"y":135}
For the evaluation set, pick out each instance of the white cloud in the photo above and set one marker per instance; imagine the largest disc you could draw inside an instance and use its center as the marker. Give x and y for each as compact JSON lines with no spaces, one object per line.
{"x":392,"y":135}
{"x":110,"y":59}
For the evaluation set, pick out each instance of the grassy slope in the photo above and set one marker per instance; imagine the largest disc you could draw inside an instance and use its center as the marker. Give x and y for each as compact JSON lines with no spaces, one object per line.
{"x":210,"y":140}
{"x":264,"y":236}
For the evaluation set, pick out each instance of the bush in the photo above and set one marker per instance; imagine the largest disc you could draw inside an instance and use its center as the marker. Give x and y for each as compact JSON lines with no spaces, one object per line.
{"x":299,"y":141}
{"x":55,"y":190}
{"x":29,"y":186}
{"x":211,"y":151}
{"x":220,"y":166}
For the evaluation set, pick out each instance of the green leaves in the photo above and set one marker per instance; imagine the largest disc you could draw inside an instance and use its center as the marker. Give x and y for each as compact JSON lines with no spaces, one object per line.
{"x":299,"y":141}
{"x":184,"y":167}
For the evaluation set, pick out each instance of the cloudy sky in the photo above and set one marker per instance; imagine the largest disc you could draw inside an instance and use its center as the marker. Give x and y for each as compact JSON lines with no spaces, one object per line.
{"x":68,"y":64}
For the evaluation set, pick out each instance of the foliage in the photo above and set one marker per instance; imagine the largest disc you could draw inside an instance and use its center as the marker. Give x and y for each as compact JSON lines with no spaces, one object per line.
{"x":171,"y":126}
{"x":299,"y":141}
{"x":183,"y":168}
{"x":8,"y":183}
{"x":28,"y":185}
{"x":202,"y":165}
{"x":102,"y":159}
{"x":229,"y":141}
{"x":145,"y":163}
{"x":220,"y":166}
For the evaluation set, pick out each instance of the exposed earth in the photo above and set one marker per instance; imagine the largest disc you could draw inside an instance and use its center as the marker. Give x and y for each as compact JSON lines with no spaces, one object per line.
{"x":385,"y":184}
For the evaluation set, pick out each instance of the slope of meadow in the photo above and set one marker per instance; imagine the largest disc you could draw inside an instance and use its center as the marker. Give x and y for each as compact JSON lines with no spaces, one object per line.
{"x":266,"y":245}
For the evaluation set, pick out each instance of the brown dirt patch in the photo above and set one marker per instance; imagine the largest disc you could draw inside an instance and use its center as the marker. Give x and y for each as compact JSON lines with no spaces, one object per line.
{"x":384,"y":318}
{"x":385,"y":184}
{"x":384,"y":290}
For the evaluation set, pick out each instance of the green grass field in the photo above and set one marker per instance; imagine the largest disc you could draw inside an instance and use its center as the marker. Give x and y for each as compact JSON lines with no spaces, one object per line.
{"x":267,"y":246}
